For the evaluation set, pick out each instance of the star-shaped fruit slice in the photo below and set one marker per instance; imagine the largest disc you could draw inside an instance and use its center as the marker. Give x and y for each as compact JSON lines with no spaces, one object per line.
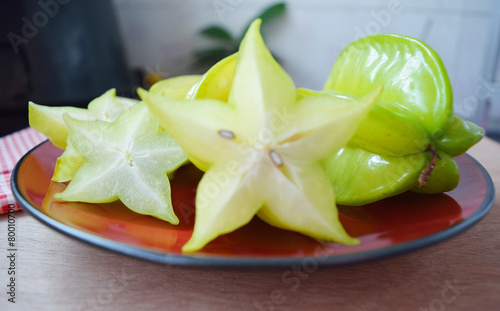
{"x":127,"y":160}
{"x":177,"y":87}
{"x":67,"y":164}
{"x":261,"y":149}
{"x":49,"y":120}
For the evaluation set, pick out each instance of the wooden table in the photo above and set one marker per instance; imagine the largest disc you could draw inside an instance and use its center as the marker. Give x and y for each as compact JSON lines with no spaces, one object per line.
{"x":56,"y":272}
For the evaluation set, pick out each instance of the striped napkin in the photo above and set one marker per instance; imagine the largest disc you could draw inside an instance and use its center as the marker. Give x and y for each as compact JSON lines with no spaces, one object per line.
{"x":12,"y":148}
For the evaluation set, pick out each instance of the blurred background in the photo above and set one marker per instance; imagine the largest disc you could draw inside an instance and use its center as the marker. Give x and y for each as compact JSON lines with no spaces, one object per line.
{"x":66,"y":52}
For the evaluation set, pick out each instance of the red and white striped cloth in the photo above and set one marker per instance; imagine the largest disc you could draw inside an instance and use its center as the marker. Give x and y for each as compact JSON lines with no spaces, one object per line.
{"x":12,"y":148}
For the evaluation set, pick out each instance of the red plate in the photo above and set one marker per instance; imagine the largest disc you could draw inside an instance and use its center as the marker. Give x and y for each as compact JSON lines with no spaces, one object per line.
{"x":406,"y":222}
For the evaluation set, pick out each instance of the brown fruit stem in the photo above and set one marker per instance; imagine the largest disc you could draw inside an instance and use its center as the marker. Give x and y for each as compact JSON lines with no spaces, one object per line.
{"x":427,"y":171}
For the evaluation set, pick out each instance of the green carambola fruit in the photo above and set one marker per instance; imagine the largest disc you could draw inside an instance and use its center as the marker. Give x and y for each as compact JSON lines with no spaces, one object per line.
{"x":411,"y":126}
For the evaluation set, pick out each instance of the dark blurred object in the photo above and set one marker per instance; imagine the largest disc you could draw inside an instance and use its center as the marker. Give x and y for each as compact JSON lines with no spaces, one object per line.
{"x":57,"y":52}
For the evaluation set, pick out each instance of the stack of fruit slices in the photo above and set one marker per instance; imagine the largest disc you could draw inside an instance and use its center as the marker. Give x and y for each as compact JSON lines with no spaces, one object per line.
{"x":382,"y":125}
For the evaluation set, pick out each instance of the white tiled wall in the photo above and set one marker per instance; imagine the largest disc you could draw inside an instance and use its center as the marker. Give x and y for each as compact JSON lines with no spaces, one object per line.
{"x":160,"y":35}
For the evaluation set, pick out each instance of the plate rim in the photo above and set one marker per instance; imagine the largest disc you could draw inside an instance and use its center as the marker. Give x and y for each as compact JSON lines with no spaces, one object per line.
{"x":227,"y":261}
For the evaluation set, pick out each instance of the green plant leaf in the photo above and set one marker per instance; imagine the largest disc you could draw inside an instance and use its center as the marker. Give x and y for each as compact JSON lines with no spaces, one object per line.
{"x":217,"y":32}
{"x":272,"y":11}
{"x":268,"y":14}
{"x":226,"y":44}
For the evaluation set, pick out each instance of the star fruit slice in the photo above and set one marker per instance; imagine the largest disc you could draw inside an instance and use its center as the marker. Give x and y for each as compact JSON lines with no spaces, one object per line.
{"x":125,"y":160}
{"x":49,"y":120}
{"x":216,"y":82}
{"x":261,"y":149}
{"x":393,"y":173}
{"x":416,"y":102}
{"x":177,"y":87}
{"x":69,"y":162}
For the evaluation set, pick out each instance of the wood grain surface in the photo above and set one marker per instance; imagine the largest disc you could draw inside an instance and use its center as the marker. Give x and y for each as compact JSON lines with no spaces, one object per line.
{"x":55,"y":272}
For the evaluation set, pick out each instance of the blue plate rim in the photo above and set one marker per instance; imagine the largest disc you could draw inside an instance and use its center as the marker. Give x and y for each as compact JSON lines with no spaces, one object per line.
{"x":219,"y":261}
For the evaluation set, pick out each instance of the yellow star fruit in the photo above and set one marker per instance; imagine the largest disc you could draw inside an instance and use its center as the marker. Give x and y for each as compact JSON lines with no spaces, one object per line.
{"x":126,"y":160}
{"x":261,"y":150}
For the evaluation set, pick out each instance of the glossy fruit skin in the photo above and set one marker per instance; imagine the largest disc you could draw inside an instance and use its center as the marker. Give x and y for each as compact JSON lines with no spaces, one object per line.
{"x":445,"y":176}
{"x":459,"y":136}
{"x":373,"y":176}
{"x":376,"y":133}
{"x":414,"y":111}
{"x":412,"y":74}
